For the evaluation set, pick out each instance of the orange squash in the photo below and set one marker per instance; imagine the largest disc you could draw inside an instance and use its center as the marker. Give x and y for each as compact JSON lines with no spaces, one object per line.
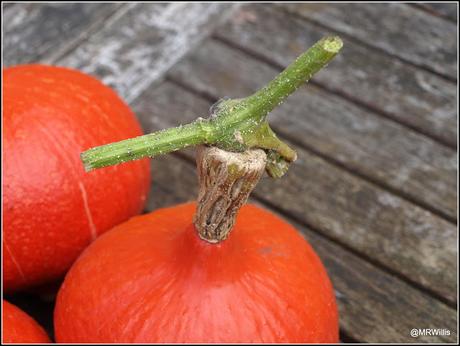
{"x":20,"y":328}
{"x":52,"y":208}
{"x":152,"y":279}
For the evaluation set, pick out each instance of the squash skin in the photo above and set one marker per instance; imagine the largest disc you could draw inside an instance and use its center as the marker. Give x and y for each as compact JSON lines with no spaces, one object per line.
{"x":18,"y":327}
{"x":152,"y":279}
{"x":52,"y":208}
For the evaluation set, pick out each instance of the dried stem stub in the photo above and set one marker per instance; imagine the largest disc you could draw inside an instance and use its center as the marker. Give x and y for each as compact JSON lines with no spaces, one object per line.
{"x":226,"y":179}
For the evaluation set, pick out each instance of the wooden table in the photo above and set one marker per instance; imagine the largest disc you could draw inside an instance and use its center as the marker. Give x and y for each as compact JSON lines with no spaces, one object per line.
{"x":374,"y":188}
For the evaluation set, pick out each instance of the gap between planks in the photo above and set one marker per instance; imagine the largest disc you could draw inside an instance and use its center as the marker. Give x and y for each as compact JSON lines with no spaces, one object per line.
{"x":331,"y":160}
{"x":431,"y":11}
{"x":360,"y":103}
{"x":82,"y":36}
{"x":367,"y":45}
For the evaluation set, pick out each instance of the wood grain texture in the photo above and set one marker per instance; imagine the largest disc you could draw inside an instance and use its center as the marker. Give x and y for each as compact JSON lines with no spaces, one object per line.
{"x":383,"y":227}
{"x":364,"y":142}
{"x":138,"y":47}
{"x":398,"y":29}
{"x":35,"y":32}
{"x":446,"y":10}
{"x":374,"y":306}
{"x":399,"y":91}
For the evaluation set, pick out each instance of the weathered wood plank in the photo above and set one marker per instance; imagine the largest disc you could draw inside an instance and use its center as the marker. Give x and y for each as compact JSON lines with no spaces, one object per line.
{"x":374,"y":306}
{"x":34,"y":31}
{"x":412,"y":96}
{"x":397,"y":29}
{"x":132,"y":51}
{"x":391,"y":231}
{"x":372,"y":221}
{"x":174,"y":181}
{"x":371,"y":145}
{"x":443,"y":9}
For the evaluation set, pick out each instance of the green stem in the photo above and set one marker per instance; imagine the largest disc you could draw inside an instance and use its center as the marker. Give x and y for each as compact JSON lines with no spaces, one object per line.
{"x":237,"y":124}
{"x":150,"y":145}
{"x":296,"y":74}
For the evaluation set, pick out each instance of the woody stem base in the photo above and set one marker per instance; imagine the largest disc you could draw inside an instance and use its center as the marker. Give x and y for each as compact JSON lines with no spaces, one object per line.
{"x":226,"y":179}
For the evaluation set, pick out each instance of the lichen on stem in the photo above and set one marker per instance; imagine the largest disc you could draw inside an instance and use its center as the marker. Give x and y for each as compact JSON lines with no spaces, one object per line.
{"x":235,"y":126}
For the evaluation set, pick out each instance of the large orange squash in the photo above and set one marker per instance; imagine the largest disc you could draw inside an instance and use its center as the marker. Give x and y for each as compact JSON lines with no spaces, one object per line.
{"x":152,"y":279}
{"x":52,"y":208}
{"x":20,"y":328}
{"x":161,"y":278}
